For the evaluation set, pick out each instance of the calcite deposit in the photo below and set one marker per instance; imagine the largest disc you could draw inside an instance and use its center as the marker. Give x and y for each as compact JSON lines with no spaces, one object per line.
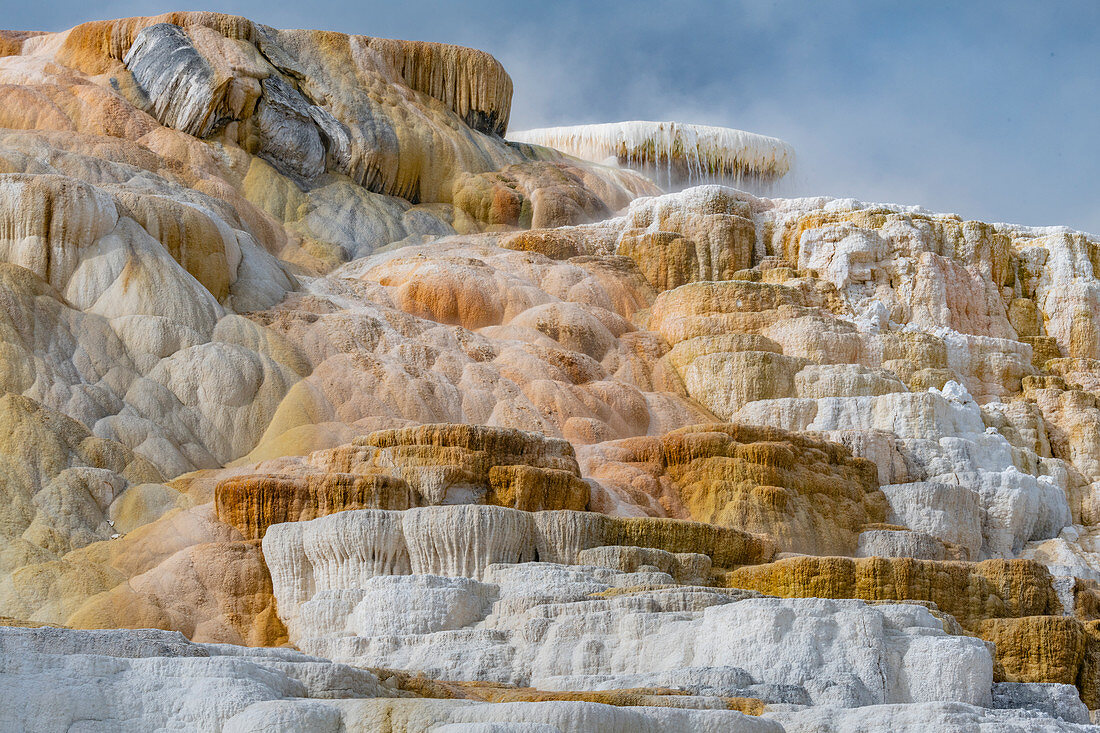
{"x":673,"y":153}
{"x":329,"y":404}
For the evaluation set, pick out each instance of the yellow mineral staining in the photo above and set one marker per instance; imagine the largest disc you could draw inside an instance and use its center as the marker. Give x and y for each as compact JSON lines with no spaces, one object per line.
{"x":217,"y":592}
{"x":674,"y":247}
{"x":252,"y":503}
{"x":57,"y":483}
{"x":533,"y":489}
{"x":735,"y":306}
{"x":470,"y":82}
{"x":1048,"y":649}
{"x":971,"y":592}
{"x":406,"y":468}
{"x":807,"y":494}
{"x":422,"y":686}
{"x":726,"y":547}
{"x":1037,"y":648}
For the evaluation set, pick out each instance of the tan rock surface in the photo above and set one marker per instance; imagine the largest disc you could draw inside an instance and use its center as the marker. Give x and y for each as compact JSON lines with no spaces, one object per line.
{"x":1047,"y":649}
{"x":971,"y":592}
{"x":810,"y":495}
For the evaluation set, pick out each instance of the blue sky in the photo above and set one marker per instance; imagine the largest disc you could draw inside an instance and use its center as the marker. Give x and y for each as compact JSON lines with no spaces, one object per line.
{"x":987,"y":109}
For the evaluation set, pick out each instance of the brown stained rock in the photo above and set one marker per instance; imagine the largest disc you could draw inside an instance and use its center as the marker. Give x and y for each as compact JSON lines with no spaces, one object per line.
{"x":529,"y":195}
{"x":808,"y":494}
{"x":971,"y":592}
{"x":687,"y":568}
{"x":10,"y":621}
{"x":557,"y":244}
{"x":645,"y":696}
{"x":253,"y":502}
{"x":698,"y":247}
{"x":1043,"y":348}
{"x":666,"y":259}
{"x":1037,"y":648}
{"x":1048,"y":649}
{"x":1088,"y":677}
{"x":405,"y":468}
{"x":499,"y":446}
{"x":535,"y":489}
{"x":725,"y":546}
{"x":418,"y":685}
{"x":11,"y":42}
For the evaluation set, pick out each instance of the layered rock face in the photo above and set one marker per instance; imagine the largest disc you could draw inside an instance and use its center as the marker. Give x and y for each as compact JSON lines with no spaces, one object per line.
{"x":405,"y":468}
{"x":809,"y":495}
{"x":297,"y":350}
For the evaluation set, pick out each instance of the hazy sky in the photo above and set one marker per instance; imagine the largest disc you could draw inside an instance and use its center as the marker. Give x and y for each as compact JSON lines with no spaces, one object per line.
{"x":990,"y":110}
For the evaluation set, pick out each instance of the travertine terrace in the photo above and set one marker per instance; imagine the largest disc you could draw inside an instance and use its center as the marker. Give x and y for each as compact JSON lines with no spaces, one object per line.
{"x":675,"y":154}
{"x":328,"y":405}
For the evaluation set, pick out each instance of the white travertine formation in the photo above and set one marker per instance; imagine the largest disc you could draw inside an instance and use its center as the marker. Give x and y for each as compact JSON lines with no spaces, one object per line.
{"x":151,"y":680}
{"x":342,"y":551}
{"x":452,"y":716}
{"x":1073,"y":553}
{"x":915,"y":718}
{"x":464,"y":540}
{"x":462,"y":629}
{"x":146,"y":679}
{"x":969,"y":476}
{"x":949,"y":512}
{"x":899,"y":543}
{"x":674,"y":154}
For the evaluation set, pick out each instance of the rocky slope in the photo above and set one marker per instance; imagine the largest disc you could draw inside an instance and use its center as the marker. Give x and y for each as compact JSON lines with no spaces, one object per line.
{"x":328,"y":407}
